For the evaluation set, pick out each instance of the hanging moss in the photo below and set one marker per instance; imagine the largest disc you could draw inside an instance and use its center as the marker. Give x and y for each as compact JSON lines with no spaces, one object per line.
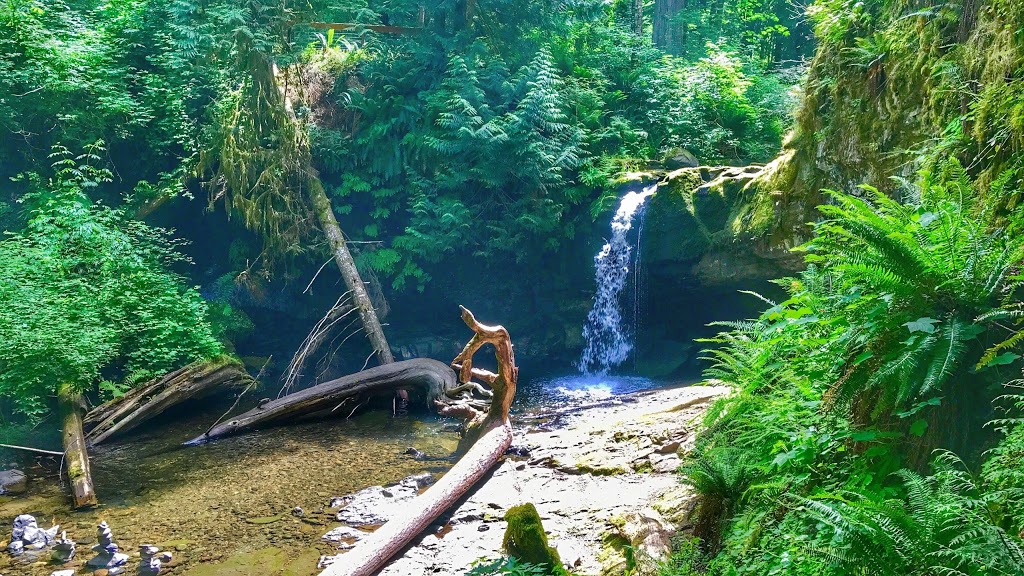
{"x":525,"y":538}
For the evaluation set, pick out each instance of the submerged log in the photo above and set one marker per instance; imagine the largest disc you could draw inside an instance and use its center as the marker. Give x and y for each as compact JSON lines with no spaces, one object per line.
{"x":490,"y":434}
{"x":151,"y":399}
{"x":434,"y":377}
{"x":83,"y":493}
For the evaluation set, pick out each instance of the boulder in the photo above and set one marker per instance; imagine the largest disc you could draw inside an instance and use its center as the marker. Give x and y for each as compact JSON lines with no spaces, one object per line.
{"x":13,"y":482}
{"x":680,"y":158}
{"x":650,"y":536}
{"x":27,"y":535}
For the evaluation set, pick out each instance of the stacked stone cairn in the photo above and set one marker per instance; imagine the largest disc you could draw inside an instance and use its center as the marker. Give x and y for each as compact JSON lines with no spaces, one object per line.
{"x":150,"y":560}
{"x":107,"y":556}
{"x":64,"y":549}
{"x":27,"y":536}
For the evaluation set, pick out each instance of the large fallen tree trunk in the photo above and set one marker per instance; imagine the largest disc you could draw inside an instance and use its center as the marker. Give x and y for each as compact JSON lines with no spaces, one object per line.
{"x":490,"y":435}
{"x":151,"y":399}
{"x":83,"y":493}
{"x":436,"y":378}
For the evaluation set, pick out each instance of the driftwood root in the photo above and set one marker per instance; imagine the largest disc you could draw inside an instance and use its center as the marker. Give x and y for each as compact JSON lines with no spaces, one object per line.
{"x":488,"y":436}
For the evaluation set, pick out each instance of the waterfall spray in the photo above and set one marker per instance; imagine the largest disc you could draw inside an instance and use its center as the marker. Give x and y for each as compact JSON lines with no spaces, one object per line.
{"x":608,"y":342}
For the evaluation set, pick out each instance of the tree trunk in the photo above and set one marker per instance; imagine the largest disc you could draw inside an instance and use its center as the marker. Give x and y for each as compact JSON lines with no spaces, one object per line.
{"x":151,"y":399}
{"x":492,"y":432}
{"x":435,"y":377}
{"x":349,"y":273}
{"x":321,"y":204}
{"x":669,"y":32}
{"x":638,"y":17}
{"x":75,"y":456}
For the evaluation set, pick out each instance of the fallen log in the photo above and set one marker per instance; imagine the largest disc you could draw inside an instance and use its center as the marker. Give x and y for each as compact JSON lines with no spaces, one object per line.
{"x":76,"y":459}
{"x":436,"y":378}
{"x":151,"y":399}
{"x":489,"y":432}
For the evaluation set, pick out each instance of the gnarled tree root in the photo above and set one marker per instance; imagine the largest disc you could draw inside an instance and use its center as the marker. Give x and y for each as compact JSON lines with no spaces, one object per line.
{"x":149,"y":400}
{"x":490,"y":435}
{"x":435,"y":377}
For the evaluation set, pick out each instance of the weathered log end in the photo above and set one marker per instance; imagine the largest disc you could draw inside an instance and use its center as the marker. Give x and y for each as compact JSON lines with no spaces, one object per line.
{"x":139,"y":405}
{"x":488,"y":436}
{"x":76,"y":458}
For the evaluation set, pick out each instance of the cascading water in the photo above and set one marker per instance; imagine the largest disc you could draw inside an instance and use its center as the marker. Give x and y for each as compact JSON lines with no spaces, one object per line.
{"x":608,"y":341}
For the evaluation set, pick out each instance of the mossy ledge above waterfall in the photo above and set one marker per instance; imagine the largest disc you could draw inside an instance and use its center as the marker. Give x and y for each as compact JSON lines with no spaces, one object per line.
{"x":697,"y":229}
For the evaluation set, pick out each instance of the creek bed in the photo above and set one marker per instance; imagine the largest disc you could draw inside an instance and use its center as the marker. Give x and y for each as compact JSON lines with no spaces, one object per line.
{"x":232,"y":498}
{"x":225,"y":508}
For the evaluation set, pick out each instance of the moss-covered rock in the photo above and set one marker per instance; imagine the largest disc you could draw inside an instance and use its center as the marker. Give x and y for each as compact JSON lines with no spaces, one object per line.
{"x":891,"y":90}
{"x":709,"y":226}
{"x":525,"y":538}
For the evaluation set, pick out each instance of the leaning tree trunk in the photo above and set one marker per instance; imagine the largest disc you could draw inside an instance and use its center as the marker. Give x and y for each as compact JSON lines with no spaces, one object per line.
{"x":349,"y":272}
{"x":151,"y":399}
{"x":436,"y":378}
{"x":83,"y":493}
{"x":490,"y":433}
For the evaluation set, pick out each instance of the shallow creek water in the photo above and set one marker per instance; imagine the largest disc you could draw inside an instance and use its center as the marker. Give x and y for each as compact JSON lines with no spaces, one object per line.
{"x":226,"y":508}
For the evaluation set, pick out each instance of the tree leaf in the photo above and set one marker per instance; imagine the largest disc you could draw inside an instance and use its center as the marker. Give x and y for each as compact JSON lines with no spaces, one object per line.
{"x":926,"y":325}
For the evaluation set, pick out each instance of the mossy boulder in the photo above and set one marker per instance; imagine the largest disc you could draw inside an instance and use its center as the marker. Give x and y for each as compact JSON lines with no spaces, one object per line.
{"x":718,"y":226}
{"x":673,"y":235}
{"x":525,"y":538}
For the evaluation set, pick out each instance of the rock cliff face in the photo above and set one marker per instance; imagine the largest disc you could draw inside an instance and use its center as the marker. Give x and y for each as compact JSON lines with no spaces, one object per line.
{"x":695,"y":228}
{"x":896,"y":87}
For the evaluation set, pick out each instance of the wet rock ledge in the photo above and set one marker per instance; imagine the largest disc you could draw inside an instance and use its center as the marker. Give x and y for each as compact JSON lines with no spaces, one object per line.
{"x":602,"y":477}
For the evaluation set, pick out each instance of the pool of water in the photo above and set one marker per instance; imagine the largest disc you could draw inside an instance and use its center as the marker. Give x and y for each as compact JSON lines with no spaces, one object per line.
{"x":567,"y":390}
{"x":226,"y":507}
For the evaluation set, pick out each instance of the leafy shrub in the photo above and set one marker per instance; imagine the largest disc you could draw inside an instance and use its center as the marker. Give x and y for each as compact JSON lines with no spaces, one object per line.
{"x":88,"y":292}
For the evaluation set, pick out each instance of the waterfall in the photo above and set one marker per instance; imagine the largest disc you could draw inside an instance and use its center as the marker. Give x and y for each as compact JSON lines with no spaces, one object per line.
{"x":608,"y":341}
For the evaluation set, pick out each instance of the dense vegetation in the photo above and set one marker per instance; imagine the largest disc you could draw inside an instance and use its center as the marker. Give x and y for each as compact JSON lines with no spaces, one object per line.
{"x":856,"y":437}
{"x":876,"y":424}
{"x":485,"y":132}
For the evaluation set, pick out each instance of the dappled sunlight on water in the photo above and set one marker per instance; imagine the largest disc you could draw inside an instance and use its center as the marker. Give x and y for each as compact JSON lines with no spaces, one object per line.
{"x":234,"y":495}
{"x":578,"y":388}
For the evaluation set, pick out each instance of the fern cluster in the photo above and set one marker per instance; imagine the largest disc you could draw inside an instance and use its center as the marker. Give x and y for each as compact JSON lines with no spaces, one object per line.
{"x":891,"y":348}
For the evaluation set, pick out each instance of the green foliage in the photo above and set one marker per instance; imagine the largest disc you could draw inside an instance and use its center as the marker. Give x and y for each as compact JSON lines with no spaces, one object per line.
{"x":87,"y":292}
{"x":499,"y":146}
{"x":941,"y":525}
{"x":920,"y":285}
{"x":844,"y":389}
{"x":769,"y":30}
{"x":721,"y":477}
{"x":509,"y":567}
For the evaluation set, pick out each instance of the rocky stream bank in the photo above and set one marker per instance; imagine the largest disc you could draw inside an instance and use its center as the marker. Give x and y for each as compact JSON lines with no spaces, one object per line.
{"x":601,"y":476}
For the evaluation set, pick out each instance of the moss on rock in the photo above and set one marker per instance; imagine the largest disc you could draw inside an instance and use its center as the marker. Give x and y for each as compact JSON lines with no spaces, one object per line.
{"x":525,"y":538}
